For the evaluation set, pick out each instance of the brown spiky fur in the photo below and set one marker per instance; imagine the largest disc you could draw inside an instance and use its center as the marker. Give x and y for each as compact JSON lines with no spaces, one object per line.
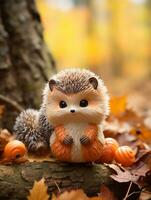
{"x":73,"y":81}
{"x":35,"y":128}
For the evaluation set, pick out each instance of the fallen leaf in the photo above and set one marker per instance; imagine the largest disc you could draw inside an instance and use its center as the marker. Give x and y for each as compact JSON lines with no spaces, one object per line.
{"x":123,"y":174}
{"x":106,"y":193}
{"x":143,"y":155}
{"x":140,"y":170}
{"x":142,"y":164}
{"x":114,"y":127}
{"x":76,"y":195}
{"x":53,"y":197}
{"x":131,"y":117}
{"x":39,"y":191}
{"x":126,"y":139}
{"x":145,"y":195}
{"x":142,"y":132}
{"x":73,"y":195}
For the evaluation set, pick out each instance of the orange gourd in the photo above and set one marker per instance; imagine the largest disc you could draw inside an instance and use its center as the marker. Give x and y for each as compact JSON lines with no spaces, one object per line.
{"x":109,"y":149}
{"x":14,"y":149}
{"x":125,"y":156}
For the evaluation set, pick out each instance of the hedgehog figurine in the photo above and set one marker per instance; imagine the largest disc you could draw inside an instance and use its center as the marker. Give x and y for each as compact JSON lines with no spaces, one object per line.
{"x":70,"y":120}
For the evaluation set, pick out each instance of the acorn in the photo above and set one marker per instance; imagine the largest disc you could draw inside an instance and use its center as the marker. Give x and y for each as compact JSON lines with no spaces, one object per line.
{"x":14,"y":149}
{"x":125,"y":156}
{"x":109,"y":149}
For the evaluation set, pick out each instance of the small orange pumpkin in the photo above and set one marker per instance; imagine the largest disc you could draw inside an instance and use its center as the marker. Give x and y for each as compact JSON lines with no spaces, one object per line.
{"x":109,"y":149}
{"x":14,"y":149}
{"x":125,"y":156}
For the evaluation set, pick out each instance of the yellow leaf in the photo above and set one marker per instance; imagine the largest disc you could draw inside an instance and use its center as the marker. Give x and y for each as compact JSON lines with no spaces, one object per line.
{"x":39,"y":191}
{"x":53,"y":197}
{"x":118,"y":105}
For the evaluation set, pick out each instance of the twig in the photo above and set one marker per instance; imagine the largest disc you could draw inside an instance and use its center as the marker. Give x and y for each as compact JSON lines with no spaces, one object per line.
{"x":57,"y":186}
{"x":133,"y":193}
{"x":11,"y":102}
{"x":126,"y":196}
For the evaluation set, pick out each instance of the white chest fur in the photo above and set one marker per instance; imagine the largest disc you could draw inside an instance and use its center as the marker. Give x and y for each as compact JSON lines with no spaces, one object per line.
{"x":76,"y":130}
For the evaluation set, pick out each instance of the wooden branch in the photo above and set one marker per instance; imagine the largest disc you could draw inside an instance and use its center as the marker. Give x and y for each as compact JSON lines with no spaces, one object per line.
{"x":11,"y":102}
{"x":16,"y":180}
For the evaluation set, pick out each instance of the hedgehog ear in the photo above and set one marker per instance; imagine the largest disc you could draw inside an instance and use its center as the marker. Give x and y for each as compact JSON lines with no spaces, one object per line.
{"x":94,"y":82}
{"x":52,"y":83}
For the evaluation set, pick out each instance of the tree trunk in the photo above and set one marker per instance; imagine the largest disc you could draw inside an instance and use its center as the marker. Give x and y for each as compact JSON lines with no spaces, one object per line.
{"x":17,"y":180}
{"x":25,"y":63}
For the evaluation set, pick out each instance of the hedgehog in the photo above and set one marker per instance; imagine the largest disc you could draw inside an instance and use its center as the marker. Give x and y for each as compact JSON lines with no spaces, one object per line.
{"x":70,"y":120}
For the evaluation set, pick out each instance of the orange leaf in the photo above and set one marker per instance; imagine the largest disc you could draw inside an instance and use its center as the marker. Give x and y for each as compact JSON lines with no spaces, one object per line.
{"x":118,"y":105}
{"x":106,"y":194}
{"x":53,"y":197}
{"x":131,"y":117}
{"x":73,"y":194}
{"x":97,"y":198}
{"x":142,"y":132}
{"x":39,"y":191}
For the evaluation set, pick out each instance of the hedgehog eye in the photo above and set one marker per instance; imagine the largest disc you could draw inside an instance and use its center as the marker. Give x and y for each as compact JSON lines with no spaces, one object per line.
{"x":83,"y":103}
{"x":62,"y":104}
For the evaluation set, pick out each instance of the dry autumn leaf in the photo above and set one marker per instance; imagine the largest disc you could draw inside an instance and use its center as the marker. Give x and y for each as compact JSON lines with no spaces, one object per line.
{"x":130,"y":117}
{"x":73,"y":195}
{"x":123,"y":174}
{"x":142,"y":165}
{"x":80,"y":195}
{"x":129,"y":175}
{"x":145,"y":195}
{"x":106,"y":193}
{"x":39,"y":191}
{"x":144,"y":155}
{"x":140,"y":170}
{"x":142,"y":132}
{"x":53,"y":197}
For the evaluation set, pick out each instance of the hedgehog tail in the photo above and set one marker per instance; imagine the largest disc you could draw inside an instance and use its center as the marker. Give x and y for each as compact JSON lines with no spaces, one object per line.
{"x":27,"y":130}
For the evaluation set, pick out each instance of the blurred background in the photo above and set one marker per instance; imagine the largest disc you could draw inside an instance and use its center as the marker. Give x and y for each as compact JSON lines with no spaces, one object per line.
{"x":110,"y":37}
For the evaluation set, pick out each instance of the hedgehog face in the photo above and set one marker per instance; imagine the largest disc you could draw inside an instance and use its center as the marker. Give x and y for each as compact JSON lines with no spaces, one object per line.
{"x":84,"y":106}
{"x":75,"y":95}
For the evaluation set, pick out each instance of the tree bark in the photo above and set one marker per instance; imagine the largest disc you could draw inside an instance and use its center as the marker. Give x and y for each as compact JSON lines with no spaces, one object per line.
{"x":25,"y":63}
{"x":17,"y":180}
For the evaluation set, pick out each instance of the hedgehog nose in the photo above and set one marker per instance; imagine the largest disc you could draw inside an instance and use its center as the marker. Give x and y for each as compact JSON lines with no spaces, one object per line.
{"x":72,"y":111}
